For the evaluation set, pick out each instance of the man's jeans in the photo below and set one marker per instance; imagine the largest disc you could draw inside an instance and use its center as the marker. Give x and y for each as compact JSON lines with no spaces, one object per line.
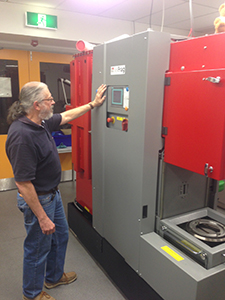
{"x":44,"y":255}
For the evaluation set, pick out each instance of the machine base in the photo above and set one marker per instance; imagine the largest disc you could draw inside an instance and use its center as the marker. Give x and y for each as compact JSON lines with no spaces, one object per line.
{"x":131,"y":285}
{"x":177,"y":279}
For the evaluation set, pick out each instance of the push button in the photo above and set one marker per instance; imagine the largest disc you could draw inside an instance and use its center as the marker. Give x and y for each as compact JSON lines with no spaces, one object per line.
{"x":125,"y":125}
{"x":111,"y":120}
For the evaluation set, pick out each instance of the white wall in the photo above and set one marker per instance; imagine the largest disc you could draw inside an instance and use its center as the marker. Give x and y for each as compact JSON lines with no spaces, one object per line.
{"x":71,"y":27}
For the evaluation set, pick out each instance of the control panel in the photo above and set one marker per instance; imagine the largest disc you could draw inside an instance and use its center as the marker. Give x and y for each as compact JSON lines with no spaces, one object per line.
{"x":117,"y":107}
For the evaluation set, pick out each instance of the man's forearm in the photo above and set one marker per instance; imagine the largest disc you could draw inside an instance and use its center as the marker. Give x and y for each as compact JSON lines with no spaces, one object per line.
{"x":74,"y":113}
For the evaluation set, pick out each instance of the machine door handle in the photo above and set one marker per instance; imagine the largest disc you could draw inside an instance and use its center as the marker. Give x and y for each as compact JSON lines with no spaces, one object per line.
{"x":208,"y":169}
{"x":213,"y":79}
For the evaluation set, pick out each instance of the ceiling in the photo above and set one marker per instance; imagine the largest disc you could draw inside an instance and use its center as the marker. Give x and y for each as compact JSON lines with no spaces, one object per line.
{"x":173,"y":14}
{"x":176,"y":12}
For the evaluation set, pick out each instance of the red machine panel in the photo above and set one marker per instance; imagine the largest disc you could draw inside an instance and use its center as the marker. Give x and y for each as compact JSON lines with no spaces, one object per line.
{"x":194,"y":107}
{"x":198,"y":53}
{"x":81,"y":84}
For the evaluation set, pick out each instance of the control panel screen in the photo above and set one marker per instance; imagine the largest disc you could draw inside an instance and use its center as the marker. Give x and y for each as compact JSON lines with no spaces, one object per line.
{"x":117,"y":96}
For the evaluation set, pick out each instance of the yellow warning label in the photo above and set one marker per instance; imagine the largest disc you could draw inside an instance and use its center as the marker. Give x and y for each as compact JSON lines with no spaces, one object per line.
{"x":119,"y":119}
{"x":87,"y":209}
{"x":172,"y":253}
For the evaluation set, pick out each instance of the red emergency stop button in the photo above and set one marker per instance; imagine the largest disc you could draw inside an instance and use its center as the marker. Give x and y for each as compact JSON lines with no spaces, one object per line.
{"x":111,"y":120}
{"x":125,"y":124}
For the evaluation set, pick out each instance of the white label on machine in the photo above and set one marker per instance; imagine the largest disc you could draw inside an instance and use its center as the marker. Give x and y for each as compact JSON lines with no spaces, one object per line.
{"x":118,"y":70}
{"x":126,"y":98}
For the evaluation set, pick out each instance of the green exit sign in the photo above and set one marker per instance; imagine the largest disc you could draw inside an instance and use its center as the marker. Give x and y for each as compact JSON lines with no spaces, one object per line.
{"x":41,"y":20}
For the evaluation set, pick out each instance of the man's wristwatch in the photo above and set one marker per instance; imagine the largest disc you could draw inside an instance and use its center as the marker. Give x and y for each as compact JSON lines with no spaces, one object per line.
{"x":91,"y":106}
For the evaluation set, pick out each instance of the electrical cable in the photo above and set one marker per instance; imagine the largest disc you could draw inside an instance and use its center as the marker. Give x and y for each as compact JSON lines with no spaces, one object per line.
{"x":150,"y":16}
{"x":191,"y":18}
{"x":163,"y":15}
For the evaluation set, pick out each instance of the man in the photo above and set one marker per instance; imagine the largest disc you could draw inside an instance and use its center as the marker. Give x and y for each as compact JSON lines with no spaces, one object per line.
{"x":37,"y":172}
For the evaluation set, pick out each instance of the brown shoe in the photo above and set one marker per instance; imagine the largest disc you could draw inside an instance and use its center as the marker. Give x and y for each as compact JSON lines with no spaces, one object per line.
{"x":66,"y":279}
{"x":41,"y":296}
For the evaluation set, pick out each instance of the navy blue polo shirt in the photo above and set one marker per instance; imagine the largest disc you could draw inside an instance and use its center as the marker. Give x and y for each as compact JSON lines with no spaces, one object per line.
{"x":33,"y":154}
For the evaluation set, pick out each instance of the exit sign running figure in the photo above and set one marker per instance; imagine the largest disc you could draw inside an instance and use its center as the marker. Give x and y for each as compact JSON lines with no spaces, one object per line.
{"x":41,"y":20}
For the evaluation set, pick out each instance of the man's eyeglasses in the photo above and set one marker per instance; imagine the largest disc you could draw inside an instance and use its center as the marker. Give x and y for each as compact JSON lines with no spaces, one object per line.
{"x":48,"y":99}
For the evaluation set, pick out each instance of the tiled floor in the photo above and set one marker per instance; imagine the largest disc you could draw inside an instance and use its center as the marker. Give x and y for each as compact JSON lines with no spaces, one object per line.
{"x":92,"y":283}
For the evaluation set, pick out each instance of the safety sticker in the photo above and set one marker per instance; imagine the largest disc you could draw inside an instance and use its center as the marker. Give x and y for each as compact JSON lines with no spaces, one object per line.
{"x":172,"y":253}
{"x":120,"y":118}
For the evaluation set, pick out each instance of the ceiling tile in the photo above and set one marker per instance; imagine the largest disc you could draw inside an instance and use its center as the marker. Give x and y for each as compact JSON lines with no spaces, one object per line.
{"x":43,"y":3}
{"x":203,"y":23}
{"x":180,"y":13}
{"x":213,"y":4}
{"x":133,"y":10}
{"x":94,"y":7}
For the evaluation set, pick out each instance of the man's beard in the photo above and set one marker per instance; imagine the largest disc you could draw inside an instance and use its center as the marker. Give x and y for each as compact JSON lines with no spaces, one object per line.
{"x":46,"y":114}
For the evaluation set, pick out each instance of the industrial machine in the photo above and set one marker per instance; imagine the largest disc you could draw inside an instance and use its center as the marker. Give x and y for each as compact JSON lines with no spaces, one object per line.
{"x":81,"y":76}
{"x":157,"y":158}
